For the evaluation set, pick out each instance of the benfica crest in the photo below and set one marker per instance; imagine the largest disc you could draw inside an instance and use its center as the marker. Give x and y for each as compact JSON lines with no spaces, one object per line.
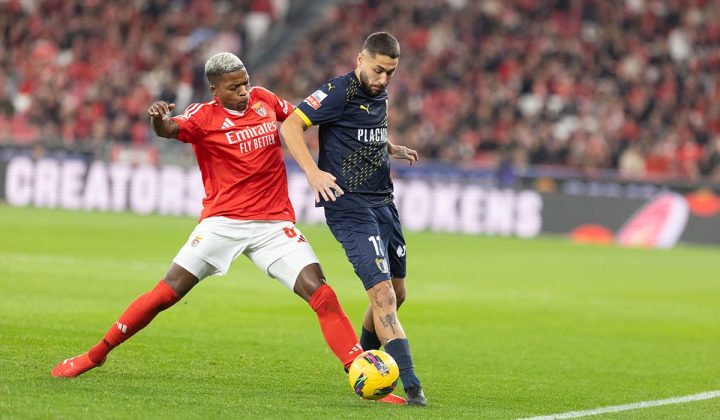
{"x":260,"y":110}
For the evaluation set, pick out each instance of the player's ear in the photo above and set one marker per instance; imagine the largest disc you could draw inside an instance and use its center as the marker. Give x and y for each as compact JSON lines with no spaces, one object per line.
{"x":213,"y":90}
{"x":359,"y":58}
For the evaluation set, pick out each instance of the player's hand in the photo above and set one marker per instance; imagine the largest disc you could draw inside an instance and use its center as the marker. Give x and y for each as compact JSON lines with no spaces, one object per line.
{"x":160,"y":109}
{"x":402,"y":152}
{"x":323,"y":185}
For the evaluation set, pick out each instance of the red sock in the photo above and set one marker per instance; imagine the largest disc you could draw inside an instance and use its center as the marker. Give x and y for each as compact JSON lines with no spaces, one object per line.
{"x":335,"y":325}
{"x":136,"y":317}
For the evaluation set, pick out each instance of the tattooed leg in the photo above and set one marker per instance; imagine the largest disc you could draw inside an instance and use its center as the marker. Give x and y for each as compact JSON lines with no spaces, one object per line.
{"x":398,"y":283}
{"x":389,"y":321}
{"x":384,"y":311}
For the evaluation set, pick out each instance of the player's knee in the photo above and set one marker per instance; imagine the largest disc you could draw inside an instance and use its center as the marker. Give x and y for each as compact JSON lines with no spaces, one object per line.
{"x":180,"y":280}
{"x":400,"y":291}
{"x":382,"y":295}
{"x":308,"y":281}
{"x":400,"y":296}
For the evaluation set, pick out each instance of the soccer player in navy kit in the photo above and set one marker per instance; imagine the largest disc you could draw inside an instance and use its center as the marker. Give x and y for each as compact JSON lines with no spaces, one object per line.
{"x":352,"y":182}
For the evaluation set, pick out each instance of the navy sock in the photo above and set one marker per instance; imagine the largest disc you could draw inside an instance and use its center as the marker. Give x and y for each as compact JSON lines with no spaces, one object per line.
{"x":399,"y":349}
{"x":369,"y":340}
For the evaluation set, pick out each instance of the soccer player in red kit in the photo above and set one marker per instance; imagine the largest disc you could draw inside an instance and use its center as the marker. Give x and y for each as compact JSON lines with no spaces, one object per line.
{"x":246,"y":210}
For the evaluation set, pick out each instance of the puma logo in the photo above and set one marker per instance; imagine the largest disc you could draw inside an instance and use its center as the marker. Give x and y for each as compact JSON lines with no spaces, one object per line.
{"x":365,"y":108}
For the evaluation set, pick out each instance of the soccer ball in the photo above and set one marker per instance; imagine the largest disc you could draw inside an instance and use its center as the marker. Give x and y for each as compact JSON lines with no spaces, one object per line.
{"x":373,"y":374}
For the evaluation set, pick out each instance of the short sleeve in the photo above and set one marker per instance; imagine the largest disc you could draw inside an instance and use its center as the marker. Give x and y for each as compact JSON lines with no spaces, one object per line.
{"x":325,"y":105}
{"x":280,"y":106}
{"x":283,"y":109}
{"x":191,"y":130}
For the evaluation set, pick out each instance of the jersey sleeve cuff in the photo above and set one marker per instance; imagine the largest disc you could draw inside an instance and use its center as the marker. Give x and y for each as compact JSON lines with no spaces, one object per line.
{"x":304,"y":117}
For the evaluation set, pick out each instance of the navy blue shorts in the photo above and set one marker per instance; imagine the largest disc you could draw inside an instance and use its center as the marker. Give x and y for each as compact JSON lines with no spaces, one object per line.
{"x":372,"y":239}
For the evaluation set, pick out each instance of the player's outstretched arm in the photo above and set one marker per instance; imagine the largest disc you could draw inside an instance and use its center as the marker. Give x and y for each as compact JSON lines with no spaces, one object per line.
{"x":322,"y":183}
{"x":402,"y":152}
{"x":160,"y":120}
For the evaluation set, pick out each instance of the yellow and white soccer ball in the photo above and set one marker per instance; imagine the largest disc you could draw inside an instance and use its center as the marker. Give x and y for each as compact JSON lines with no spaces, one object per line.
{"x":373,"y":374}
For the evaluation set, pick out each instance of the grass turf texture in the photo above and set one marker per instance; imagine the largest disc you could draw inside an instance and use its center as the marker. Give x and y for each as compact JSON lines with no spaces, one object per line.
{"x":500,"y":328}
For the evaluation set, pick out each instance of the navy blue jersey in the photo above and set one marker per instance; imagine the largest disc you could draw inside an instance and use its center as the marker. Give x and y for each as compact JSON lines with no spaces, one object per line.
{"x":353,"y":140}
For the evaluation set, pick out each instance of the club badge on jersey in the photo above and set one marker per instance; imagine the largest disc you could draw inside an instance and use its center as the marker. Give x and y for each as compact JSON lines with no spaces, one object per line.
{"x":258,"y":108}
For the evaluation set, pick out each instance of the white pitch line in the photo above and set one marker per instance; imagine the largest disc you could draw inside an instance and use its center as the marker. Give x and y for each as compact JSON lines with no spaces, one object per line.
{"x":625,"y":407}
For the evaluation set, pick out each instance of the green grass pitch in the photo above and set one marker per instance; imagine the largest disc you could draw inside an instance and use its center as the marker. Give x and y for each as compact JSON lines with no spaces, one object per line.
{"x":500,"y":327}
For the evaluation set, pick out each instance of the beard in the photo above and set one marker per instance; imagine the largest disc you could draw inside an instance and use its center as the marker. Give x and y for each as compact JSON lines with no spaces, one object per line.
{"x":366,"y":86}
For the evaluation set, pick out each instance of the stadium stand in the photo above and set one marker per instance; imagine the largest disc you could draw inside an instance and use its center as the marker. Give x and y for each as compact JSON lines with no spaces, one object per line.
{"x":623,"y":86}
{"x":86,"y":70}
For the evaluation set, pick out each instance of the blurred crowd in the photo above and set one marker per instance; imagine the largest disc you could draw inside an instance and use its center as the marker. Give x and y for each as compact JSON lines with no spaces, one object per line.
{"x":86,"y":70}
{"x":628,"y":85}
{"x":623,"y":85}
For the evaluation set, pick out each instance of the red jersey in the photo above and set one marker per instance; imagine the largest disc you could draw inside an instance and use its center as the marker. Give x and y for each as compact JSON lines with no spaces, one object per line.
{"x":240,"y":157}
